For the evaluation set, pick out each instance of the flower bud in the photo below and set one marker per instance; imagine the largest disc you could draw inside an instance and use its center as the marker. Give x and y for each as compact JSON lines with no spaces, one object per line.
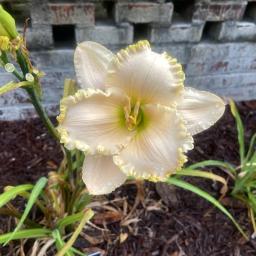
{"x":7,"y":24}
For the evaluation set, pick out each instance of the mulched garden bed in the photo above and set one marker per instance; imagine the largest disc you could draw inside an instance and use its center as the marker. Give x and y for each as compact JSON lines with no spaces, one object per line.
{"x":141,"y":224}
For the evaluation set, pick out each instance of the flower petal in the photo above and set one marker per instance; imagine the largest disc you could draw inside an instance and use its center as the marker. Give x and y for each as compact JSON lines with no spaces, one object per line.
{"x":101,"y":175}
{"x":200,"y":109}
{"x":146,"y":76}
{"x":91,"y":62}
{"x":157,"y":149}
{"x":90,"y":121}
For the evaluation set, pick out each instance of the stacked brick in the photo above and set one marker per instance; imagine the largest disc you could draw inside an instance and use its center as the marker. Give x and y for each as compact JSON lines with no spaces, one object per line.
{"x":213,"y":39}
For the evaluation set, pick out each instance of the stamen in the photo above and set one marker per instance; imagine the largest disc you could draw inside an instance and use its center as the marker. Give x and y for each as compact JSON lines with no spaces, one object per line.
{"x":131,"y":115}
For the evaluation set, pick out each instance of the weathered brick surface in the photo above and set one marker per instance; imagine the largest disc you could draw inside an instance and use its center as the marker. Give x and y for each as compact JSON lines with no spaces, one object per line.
{"x":143,"y":12}
{"x":219,"y":61}
{"x":106,"y":34}
{"x":211,"y":52}
{"x":72,"y":13}
{"x":38,"y":37}
{"x":177,"y":32}
{"x":234,"y":31}
{"x":25,"y":111}
{"x":224,"y":66}
{"x":219,"y":10}
{"x":62,"y":13}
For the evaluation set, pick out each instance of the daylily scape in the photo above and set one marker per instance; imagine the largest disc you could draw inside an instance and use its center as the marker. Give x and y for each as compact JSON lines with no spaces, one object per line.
{"x":132,"y":116}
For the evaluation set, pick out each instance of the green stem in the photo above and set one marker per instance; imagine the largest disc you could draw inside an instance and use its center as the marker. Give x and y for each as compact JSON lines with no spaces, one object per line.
{"x":22,"y":62}
{"x":41,"y":112}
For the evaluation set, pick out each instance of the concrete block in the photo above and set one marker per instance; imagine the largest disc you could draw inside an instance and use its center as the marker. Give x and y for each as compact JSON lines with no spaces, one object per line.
{"x":61,"y":59}
{"x":239,"y":93}
{"x":19,"y":96}
{"x":211,"y":52}
{"x":106,"y":34}
{"x":177,"y":32}
{"x":39,"y":12}
{"x":39,"y":36}
{"x":179,"y":51}
{"x":13,"y":98}
{"x":143,"y":12}
{"x":225,"y":66}
{"x":234,"y":31}
{"x":25,"y":111}
{"x":72,"y":13}
{"x":231,"y":81}
{"x":43,"y":12}
{"x":218,"y":10}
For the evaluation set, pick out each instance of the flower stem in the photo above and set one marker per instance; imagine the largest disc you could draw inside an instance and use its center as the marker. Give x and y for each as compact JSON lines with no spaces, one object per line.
{"x":42,"y":113}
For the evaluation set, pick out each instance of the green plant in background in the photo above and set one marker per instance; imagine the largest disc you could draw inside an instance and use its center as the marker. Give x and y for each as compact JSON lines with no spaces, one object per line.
{"x":60,"y":200}
{"x":243,"y":176}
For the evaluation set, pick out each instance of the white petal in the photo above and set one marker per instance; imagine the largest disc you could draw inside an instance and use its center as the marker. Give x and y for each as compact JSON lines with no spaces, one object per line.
{"x":146,"y":76}
{"x":91,"y":62}
{"x":157,"y":149}
{"x":91,"y":121}
{"x":101,"y":175}
{"x":200,"y":109}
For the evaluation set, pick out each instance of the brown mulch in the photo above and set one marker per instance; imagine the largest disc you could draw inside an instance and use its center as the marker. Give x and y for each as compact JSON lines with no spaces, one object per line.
{"x":190,"y":227}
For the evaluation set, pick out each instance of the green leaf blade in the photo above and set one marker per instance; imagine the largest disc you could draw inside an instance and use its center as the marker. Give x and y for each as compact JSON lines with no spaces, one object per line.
{"x":25,"y":234}
{"x":37,"y":189}
{"x":208,"y":197}
{"x":13,"y":192}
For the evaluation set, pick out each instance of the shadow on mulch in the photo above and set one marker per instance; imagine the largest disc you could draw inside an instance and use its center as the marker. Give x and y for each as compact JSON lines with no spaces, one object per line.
{"x":191,"y":227}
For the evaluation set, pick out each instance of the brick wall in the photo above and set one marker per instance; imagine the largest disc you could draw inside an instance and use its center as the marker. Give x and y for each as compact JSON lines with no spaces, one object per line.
{"x":214,"y":40}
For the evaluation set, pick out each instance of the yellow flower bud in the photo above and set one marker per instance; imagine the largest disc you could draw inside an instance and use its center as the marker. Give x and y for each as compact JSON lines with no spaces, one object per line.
{"x":4,"y":43}
{"x":7,"y":24}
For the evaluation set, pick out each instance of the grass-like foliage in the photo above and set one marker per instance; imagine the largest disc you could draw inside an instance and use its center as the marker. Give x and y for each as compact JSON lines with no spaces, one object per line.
{"x":243,"y":176}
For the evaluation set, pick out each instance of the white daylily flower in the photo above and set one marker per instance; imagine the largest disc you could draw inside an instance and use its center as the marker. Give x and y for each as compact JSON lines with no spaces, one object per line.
{"x":133,"y":115}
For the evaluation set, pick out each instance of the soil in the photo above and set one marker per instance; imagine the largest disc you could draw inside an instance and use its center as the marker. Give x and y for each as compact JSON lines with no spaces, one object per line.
{"x":134,"y":219}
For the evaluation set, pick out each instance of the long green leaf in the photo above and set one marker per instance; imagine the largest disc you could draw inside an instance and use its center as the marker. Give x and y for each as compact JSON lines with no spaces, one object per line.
{"x":88,"y":214}
{"x":33,"y":197}
{"x":25,"y":234}
{"x":251,"y":149}
{"x":217,"y":163}
{"x":240,"y":130}
{"x":208,"y":197}
{"x":12,"y":86}
{"x":13,"y":192}
{"x":59,"y":242}
{"x":206,"y":175}
{"x":69,"y":220}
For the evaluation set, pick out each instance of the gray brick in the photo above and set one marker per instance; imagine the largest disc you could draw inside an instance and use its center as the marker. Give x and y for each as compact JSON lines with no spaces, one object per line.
{"x":234,"y":31}
{"x":224,"y":66}
{"x":25,"y":111}
{"x":40,"y":13}
{"x":219,"y":10}
{"x":72,"y":13}
{"x":177,"y":32}
{"x":211,"y":52}
{"x":143,"y":12}
{"x":61,"y":58}
{"x":39,"y":36}
{"x":222,"y":81}
{"x":106,"y":34}
{"x":179,"y":51}
{"x":238,"y":93}
{"x":43,"y":12}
